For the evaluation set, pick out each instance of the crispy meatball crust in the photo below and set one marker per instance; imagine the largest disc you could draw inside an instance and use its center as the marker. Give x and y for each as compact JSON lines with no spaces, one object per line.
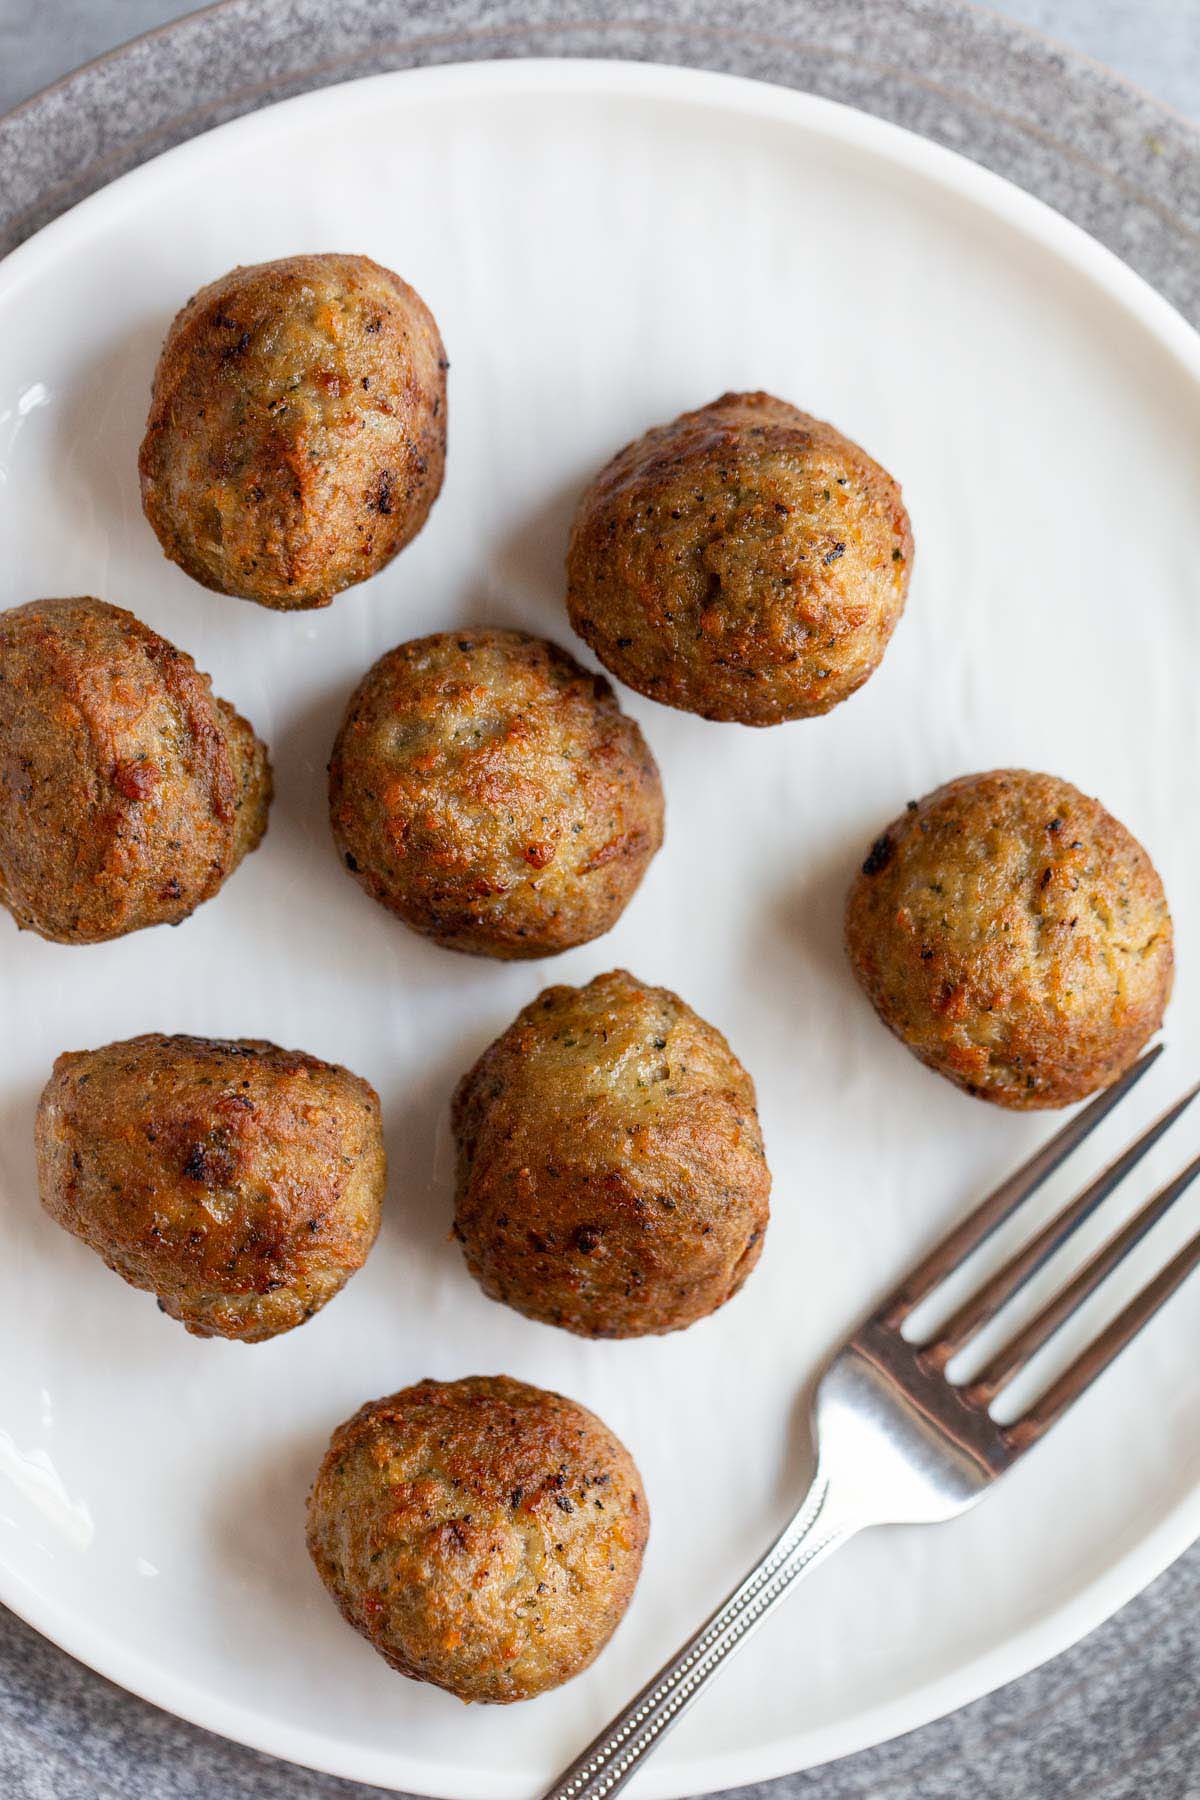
{"x":128,"y":792}
{"x":745,"y":562}
{"x":611,"y":1175}
{"x":239,"y":1182}
{"x":297,"y":430}
{"x":492,"y":794}
{"x":1014,"y":936}
{"x":483,"y":1535}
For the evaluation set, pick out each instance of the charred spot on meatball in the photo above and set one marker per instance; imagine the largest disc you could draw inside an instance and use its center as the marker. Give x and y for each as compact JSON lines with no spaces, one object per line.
{"x":239,"y":1183}
{"x":611,"y":1175}
{"x":482,"y":1535}
{"x":1015,"y":936}
{"x":128,"y":792}
{"x":297,"y":431}
{"x":491,"y":793}
{"x":746,"y":562}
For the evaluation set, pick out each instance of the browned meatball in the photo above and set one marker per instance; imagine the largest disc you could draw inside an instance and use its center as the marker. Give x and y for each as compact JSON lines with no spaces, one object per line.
{"x":128,"y":792}
{"x":239,"y":1182}
{"x":297,"y":429}
{"x":1015,"y":936}
{"x":745,"y":562}
{"x":493,"y":795}
{"x":611,"y":1176}
{"x":481,"y":1534}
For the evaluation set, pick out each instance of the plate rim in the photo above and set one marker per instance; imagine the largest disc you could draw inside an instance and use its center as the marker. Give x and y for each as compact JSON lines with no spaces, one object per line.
{"x":1058,"y":1626}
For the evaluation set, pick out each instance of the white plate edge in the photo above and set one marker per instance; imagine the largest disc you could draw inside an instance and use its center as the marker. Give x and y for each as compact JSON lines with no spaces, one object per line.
{"x":1059,"y":1628}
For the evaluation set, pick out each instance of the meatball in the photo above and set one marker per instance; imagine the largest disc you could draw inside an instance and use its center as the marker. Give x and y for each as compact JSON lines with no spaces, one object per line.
{"x":129,"y":792}
{"x":239,"y":1182}
{"x":745,"y":562}
{"x":611,"y":1176}
{"x":1014,"y":936}
{"x":481,"y":1534}
{"x":297,"y":429}
{"x":493,"y":795}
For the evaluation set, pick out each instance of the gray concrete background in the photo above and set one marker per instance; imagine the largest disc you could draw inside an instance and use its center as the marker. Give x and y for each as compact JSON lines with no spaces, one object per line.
{"x":1118,"y":1718}
{"x":1153,"y":42}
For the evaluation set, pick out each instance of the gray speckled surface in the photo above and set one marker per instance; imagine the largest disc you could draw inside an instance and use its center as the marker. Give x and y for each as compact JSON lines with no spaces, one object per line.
{"x":1120,"y":165}
{"x":1118,"y":1717}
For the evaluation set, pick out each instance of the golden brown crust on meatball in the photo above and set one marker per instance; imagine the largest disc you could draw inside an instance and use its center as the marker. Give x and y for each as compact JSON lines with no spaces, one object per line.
{"x":491,"y":793}
{"x":297,"y":430}
{"x":745,"y":562}
{"x":1015,"y":936}
{"x":483,"y":1535}
{"x":128,"y":793}
{"x":239,"y":1182}
{"x":611,"y":1176}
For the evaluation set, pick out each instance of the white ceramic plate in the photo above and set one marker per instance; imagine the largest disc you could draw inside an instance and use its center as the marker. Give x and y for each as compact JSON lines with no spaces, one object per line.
{"x":603,"y":246}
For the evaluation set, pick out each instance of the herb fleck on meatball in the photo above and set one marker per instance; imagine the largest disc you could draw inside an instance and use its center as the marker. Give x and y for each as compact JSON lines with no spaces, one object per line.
{"x":1015,"y":936}
{"x":297,"y":429}
{"x":746,"y":562}
{"x":483,"y":1535}
{"x":611,"y":1176}
{"x":491,"y":793}
{"x":129,"y":791}
{"x":238,"y":1182}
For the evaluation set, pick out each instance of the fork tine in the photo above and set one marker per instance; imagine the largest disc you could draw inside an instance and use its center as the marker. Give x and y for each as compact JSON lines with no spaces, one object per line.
{"x":999,"y":1205}
{"x":1009,"y":1361}
{"x":986,"y":1302}
{"x":1107,"y":1347}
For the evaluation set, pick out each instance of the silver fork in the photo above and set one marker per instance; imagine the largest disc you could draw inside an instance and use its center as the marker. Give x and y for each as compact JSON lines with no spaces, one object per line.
{"x":898,"y":1443}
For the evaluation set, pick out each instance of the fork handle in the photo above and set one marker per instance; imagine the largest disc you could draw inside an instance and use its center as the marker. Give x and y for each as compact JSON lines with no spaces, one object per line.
{"x":612,"y":1758}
